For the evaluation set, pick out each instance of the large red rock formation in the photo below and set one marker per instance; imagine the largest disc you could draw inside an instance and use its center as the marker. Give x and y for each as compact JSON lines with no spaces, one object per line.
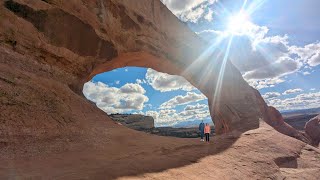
{"x":78,"y":40}
{"x":312,"y":129}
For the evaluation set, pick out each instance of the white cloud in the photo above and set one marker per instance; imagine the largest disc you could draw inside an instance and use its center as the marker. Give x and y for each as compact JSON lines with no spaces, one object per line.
{"x":194,"y":107}
{"x":181,"y":100}
{"x":117,"y":82}
{"x":130,"y":88}
{"x":270,"y":95}
{"x":116,"y":100}
{"x":265,"y":83}
{"x":292,"y":91}
{"x":141,"y":81}
{"x":315,"y":60}
{"x":309,"y":54}
{"x":190,"y":10}
{"x":301,"y":101}
{"x":312,"y":89}
{"x":164,"y":82}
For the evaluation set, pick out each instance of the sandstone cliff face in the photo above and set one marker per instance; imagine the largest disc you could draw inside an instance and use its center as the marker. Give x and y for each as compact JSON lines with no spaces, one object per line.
{"x":55,"y":46}
{"x":312,"y":129}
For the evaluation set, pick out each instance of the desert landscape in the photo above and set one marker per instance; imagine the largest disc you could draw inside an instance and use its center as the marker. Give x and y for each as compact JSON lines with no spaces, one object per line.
{"x":49,"y":130}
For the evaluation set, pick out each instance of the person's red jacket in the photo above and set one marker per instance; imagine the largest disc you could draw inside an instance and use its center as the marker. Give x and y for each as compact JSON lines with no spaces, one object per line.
{"x":207,"y":129}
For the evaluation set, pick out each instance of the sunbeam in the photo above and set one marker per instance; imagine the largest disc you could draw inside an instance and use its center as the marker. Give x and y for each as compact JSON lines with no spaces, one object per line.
{"x":221,"y":73}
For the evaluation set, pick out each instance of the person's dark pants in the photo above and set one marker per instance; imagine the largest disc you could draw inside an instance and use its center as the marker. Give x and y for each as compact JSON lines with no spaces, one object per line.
{"x":207,"y":137}
{"x":201,"y":135}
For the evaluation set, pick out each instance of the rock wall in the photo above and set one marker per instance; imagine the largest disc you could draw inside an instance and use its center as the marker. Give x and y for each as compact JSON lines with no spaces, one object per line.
{"x":56,"y":44}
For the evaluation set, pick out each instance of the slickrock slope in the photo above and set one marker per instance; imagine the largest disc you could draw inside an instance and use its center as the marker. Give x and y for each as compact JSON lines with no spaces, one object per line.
{"x":49,"y":49}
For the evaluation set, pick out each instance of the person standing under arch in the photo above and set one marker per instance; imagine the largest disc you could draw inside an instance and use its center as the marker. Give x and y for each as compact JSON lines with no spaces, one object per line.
{"x":207,"y":131}
{"x":201,"y":129}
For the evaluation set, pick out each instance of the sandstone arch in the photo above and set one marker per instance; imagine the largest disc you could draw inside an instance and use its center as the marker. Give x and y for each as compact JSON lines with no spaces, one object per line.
{"x":81,"y":40}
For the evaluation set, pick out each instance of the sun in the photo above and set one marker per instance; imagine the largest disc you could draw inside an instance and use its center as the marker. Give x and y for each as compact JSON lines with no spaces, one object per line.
{"x":238,"y":23}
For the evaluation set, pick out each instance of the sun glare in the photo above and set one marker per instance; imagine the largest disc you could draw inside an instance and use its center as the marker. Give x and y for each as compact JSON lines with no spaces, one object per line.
{"x":238,"y":23}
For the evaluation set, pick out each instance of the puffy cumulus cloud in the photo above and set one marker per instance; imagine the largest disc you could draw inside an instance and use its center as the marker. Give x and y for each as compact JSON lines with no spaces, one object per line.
{"x":301,"y":101}
{"x":196,"y":106}
{"x":270,"y":95}
{"x":164,"y":82}
{"x":131,"y":102}
{"x":265,"y":83}
{"x":190,"y":10}
{"x":309,"y":54}
{"x":130,"y":88}
{"x":292,"y":91}
{"x":115,"y":100}
{"x":181,"y":100}
{"x":314,"y":60}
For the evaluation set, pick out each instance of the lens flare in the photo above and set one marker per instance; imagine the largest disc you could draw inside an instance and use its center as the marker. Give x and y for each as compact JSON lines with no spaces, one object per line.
{"x":239,"y":23}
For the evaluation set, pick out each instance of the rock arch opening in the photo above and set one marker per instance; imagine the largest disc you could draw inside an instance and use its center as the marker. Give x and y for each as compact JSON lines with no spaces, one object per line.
{"x":233,"y":108}
{"x":147,"y":100}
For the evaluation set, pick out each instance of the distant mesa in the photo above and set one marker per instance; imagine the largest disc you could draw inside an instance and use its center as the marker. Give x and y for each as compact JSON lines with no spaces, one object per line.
{"x":134,"y":121}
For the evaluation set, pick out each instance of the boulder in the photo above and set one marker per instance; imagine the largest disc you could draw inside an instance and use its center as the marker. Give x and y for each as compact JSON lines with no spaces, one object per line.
{"x":312,"y":129}
{"x":276,"y":121}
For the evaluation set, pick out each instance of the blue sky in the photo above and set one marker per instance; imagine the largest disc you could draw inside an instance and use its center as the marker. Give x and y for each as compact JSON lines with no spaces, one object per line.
{"x":171,"y":100}
{"x":275,"y":45}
